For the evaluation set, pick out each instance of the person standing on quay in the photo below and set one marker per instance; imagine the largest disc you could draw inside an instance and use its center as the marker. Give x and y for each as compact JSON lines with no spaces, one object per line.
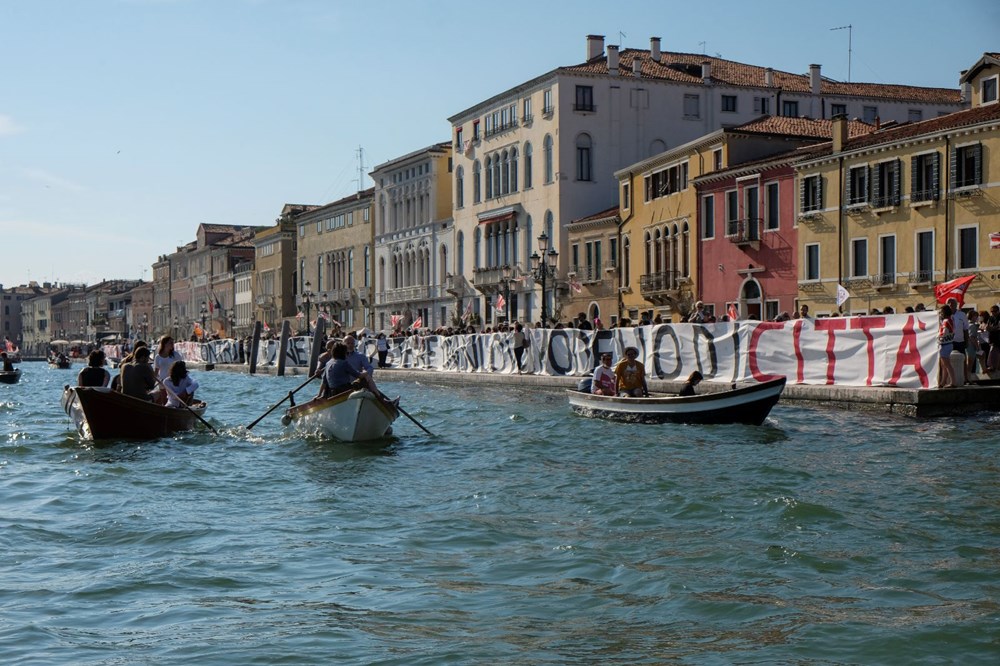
{"x":946,"y":335}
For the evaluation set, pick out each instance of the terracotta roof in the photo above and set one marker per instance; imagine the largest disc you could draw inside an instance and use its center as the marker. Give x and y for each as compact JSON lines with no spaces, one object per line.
{"x":686,"y":68}
{"x":799,"y":127}
{"x":603,"y":215}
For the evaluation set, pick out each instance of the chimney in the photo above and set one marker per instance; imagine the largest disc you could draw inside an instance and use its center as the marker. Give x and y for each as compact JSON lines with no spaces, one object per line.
{"x":706,"y":71}
{"x":595,"y":46}
{"x":612,"y":60}
{"x":654,"y":48}
{"x":637,"y":66}
{"x":966,"y":92}
{"x":769,"y":77}
{"x":814,"y":79}
{"x":839,"y":132}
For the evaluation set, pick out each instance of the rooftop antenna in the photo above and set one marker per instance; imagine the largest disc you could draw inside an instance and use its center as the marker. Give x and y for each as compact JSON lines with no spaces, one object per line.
{"x":702,"y":45}
{"x":850,"y":35}
{"x":361,"y":168}
{"x":621,"y":37}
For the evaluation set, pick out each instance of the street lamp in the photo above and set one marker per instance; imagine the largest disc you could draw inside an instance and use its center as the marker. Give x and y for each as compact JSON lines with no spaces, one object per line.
{"x":204,"y":315}
{"x":508,"y":271}
{"x":544,"y":269}
{"x":307,"y":301}
{"x":145,"y":326}
{"x":232,"y":323}
{"x":174,"y":336}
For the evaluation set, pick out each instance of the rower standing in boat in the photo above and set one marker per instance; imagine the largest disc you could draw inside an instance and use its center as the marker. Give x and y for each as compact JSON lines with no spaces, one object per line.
{"x":7,"y":365}
{"x":693,"y":380}
{"x":95,"y":374}
{"x":630,"y":375}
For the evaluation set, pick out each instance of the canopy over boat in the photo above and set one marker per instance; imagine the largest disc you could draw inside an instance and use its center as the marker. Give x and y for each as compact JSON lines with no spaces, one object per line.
{"x":100,"y":413}
{"x":748,"y":404}
{"x":352,"y":416}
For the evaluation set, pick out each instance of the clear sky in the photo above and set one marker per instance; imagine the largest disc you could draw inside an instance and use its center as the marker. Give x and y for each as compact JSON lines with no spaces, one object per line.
{"x":126,"y":123}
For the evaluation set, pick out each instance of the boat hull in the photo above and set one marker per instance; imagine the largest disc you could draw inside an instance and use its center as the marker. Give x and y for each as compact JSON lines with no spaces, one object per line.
{"x":100,"y":413}
{"x":748,"y":405}
{"x":10,"y":376}
{"x":354,"y":416}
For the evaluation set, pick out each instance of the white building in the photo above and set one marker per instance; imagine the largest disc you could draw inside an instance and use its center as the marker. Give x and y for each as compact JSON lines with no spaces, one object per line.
{"x":534,"y":157}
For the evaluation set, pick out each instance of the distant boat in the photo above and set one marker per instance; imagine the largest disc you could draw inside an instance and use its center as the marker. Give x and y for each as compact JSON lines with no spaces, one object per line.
{"x":10,"y":376}
{"x":60,"y":363}
{"x":749,"y":404}
{"x":101,"y":413}
{"x":352,"y":416}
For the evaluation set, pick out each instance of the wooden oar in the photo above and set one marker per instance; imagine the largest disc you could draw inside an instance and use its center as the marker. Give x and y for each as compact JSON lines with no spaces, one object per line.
{"x":403,"y":412}
{"x":277,"y":404}
{"x":186,"y":406}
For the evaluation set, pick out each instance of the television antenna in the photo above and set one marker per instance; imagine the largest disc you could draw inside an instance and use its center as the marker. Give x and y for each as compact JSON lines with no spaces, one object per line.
{"x":850,"y":35}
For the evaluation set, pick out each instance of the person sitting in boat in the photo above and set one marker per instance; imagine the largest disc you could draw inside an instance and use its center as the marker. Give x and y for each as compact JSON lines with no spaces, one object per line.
{"x":604,"y":381}
{"x":180,"y":386}
{"x":116,"y":381}
{"x":7,"y":365}
{"x":166,"y":357}
{"x":341,"y":376}
{"x":138,"y":378}
{"x":95,"y":374}
{"x":630,"y":375}
{"x":358,"y":361}
{"x":693,"y":380}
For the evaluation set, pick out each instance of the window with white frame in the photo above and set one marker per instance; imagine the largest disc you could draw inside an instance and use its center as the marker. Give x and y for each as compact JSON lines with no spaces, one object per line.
{"x":584,"y":156}
{"x":732,"y":212}
{"x":859,"y":257}
{"x":527,"y":166}
{"x":988,"y":90}
{"x":967,"y":165}
{"x":968,"y":247}
{"x":549,"y":166}
{"x":526,"y":109}
{"x":812,"y":261}
{"x":626,"y":196}
{"x":925,"y":257}
{"x":772,"y":203}
{"x":887,"y":260}
{"x":811,"y":194}
{"x":857,"y":185}
{"x":708,"y":216}
{"x":771,"y":310}
{"x":925,"y":175}
{"x":885,"y":184}
{"x":547,"y":107}
{"x":729,"y":103}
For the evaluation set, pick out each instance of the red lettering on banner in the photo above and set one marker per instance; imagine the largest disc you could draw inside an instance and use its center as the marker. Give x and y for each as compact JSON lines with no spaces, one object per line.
{"x":831,"y":324}
{"x":752,"y":349}
{"x":909,"y":354}
{"x":800,"y":361}
{"x":866,"y":324}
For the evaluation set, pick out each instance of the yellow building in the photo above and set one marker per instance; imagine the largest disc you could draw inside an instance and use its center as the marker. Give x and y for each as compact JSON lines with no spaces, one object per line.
{"x":273,"y":283}
{"x":592,"y":269}
{"x":891,"y":213}
{"x":659,"y":211}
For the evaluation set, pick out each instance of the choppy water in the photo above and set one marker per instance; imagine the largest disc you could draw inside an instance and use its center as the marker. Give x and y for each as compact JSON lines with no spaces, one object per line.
{"x":518,"y":534}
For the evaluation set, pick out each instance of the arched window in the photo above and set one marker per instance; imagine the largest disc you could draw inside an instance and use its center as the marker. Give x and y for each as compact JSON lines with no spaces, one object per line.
{"x":750,"y":291}
{"x":381,"y":215}
{"x":350,"y":268}
{"x":626,"y":262}
{"x":443,"y":264}
{"x":460,"y":253}
{"x":513,"y":169}
{"x":686,"y":251}
{"x":381,"y":273}
{"x":549,"y":165}
{"x":527,"y":242}
{"x":477,"y":179}
{"x":368,"y":266}
{"x":477,"y":241}
{"x":489,"y":178}
{"x":319,"y":272}
{"x":496,"y":176}
{"x":649,"y":254}
{"x":505,"y":174}
{"x":302,"y":275}
{"x":549,"y":223}
{"x":527,"y":165}
{"x":584,"y":157}
{"x":459,"y":187}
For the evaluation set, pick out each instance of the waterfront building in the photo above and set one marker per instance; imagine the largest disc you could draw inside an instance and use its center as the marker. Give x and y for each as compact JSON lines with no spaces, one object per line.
{"x":37,"y":318}
{"x":414,"y":239}
{"x":333,"y":275}
{"x":273,"y":288}
{"x":592,"y":270}
{"x":531,"y":159}
{"x":891,"y":213}
{"x":11,"y":298}
{"x":139,"y":311}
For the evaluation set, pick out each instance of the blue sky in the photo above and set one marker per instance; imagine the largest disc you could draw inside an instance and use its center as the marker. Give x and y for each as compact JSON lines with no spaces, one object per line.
{"x":126,"y":123}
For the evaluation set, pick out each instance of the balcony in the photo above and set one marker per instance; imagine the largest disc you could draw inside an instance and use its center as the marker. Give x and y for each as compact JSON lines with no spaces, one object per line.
{"x":343,"y":296}
{"x":660,"y":288}
{"x":743,"y":232}
{"x":883,"y":280}
{"x":416,"y":294}
{"x":924,"y":277}
{"x":490,"y":280}
{"x":264,"y":300}
{"x":925,"y":196}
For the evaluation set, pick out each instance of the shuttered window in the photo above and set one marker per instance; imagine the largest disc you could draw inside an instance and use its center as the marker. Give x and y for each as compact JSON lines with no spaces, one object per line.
{"x":925,"y":175}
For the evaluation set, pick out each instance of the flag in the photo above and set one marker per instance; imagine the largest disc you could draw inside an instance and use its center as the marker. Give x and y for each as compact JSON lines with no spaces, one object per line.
{"x":953,"y":289}
{"x":267,"y":329}
{"x":299,"y":315}
{"x":468,"y":312}
{"x":994,"y":240}
{"x":324,"y":316}
{"x":334,"y":322}
{"x":395,"y":319}
{"x":842,"y":294}
{"x":468,"y":148}
{"x":9,"y":345}
{"x":418,"y":322}
{"x":501,"y":302}
{"x":733,"y":312}
{"x":575,"y":285}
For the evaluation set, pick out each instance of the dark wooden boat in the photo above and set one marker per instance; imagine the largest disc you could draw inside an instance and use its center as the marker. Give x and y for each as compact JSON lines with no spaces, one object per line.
{"x":749,"y":404}
{"x":61,"y":364}
{"x":10,"y":376}
{"x":100,"y":413}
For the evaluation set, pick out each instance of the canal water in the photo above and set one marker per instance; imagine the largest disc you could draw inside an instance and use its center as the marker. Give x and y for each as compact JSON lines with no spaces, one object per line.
{"x":518,"y":533}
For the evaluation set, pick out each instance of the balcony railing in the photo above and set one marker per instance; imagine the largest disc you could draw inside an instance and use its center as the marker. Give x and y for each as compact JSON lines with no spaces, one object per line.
{"x":883,"y":280}
{"x":593,"y":273}
{"x":493,"y":276}
{"x":887,"y":201}
{"x":409,"y":294}
{"x":743,"y":231}
{"x":654,"y":283}
{"x":921,"y":277}
{"x":930,"y":194}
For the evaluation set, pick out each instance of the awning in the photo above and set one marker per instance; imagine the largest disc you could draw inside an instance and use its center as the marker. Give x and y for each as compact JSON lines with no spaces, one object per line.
{"x":497,"y":215}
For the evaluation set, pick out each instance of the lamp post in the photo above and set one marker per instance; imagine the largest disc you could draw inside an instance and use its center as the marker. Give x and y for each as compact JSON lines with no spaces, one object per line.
{"x":204,"y":314}
{"x":232,"y":323}
{"x":307,"y":301}
{"x":145,"y":326}
{"x":174,"y":336}
{"x":508,"y":271}
{"x":544,"y":269}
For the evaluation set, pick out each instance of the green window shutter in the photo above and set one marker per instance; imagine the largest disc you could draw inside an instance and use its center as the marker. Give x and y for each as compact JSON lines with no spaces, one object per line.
{"x":896,"y":175}
{"x":953,"y":169}
{"x":914,"y":184}
{"x":877,"y":186}
{"x":977,"y":156}
{"x":935,"y":183}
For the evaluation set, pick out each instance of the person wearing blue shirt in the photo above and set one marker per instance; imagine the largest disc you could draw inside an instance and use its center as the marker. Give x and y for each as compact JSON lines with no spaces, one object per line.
{"x":340,"y":375}
{"x":357,"y":360}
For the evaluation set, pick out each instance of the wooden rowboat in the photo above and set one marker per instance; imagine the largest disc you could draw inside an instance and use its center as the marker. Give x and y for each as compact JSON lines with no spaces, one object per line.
{"x":10,"y":376}
{"x":749,"y":404}
{"x":352,"y":416}
{"x":100,"y":413}
{"x":61,"y":364}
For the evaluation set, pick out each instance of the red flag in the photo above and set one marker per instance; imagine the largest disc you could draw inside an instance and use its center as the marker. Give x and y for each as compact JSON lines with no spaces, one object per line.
{"x":418,"y":322}
{"x":395,"y":319}
{"x":575,"y":285}
{"x":468,"y":312}
{"x":953,"y":289}
{"x":994,"y":241}
{"x":265,"y":326}
{"x":734,"y":314}
{"x":501,"y":302}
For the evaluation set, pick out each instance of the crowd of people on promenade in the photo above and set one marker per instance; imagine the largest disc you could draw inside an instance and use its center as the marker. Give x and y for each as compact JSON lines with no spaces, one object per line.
{"x":973,"y":336}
